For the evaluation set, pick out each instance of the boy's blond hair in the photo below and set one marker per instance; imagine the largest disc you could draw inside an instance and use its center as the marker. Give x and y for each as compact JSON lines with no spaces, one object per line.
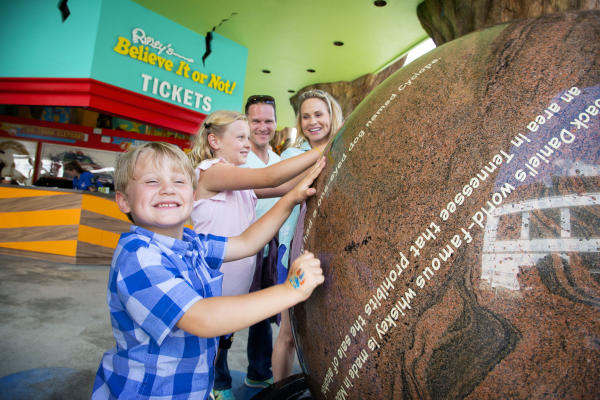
{"x":126,"y":162}
{"x":215,"y":123}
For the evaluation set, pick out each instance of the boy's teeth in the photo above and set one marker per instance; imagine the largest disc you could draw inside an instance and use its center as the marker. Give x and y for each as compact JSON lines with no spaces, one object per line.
{"x":167,"y":205}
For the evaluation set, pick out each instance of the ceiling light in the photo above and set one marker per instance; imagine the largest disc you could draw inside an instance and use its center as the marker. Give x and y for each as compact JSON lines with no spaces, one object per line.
{"x":266,"y":71}
{"x":380,"y":3}
{"x":338,"y":43}
{"x":291,"y":91}
{"x":310,"y":70}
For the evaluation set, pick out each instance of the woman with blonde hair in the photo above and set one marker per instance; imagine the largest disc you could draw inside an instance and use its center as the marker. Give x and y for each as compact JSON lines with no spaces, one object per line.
{"x":319,"y":117}
{"x":315,"y":124}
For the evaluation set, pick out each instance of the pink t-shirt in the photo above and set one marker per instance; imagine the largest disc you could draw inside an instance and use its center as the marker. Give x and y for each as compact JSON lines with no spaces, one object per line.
{"x":227,"y":213}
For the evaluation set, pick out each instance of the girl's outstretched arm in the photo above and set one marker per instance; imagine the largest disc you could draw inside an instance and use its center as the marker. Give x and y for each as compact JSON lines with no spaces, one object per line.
{"x":287,"y":186}
{"x":216,"y":316}
{"x":260,"y":232}
{"x":223,"y":176}
{"x":280,"y":190}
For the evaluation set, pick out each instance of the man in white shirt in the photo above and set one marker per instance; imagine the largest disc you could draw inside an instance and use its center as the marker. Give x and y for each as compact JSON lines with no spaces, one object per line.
{"x":260,"y":110}
{"x":263,"y":123}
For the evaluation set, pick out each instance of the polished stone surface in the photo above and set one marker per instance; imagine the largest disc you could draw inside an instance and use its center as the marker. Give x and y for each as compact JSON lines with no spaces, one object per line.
{"x":458,"y":224}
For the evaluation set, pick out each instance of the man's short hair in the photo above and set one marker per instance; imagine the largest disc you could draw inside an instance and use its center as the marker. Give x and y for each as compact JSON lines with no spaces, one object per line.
{"x":260,"y":99}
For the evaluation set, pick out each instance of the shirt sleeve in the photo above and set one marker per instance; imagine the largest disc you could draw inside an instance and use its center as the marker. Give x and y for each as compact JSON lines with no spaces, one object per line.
{"x":152,"y":291}
{"x":215,"y":249}
{"x":291,"y":152}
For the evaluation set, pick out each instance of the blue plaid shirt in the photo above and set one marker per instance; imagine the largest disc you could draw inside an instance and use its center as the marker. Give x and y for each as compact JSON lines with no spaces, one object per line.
{"x":153,"y":281}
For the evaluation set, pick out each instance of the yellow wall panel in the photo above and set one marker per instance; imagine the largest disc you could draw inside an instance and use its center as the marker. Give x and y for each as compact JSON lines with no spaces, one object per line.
{"x":9,"y":193}
{"x":98,"y":236}
{"x":59,"y":247}
{"x":39,"y":218}
{"x":102,"y":206}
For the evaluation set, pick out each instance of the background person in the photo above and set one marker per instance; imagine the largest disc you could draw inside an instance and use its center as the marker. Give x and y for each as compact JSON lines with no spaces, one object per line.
{"x":282,"y":140}
{"x":82,"y":179}
{"x":318,"y":119}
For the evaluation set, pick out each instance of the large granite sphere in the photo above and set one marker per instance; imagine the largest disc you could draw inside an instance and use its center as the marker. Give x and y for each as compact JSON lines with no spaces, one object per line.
{"x":458,"y":225}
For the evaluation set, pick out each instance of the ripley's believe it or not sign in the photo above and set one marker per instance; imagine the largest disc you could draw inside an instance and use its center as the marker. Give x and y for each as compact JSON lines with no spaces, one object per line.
{"x":163,"y":60}
{"x":458,"y":225}
{"x":152,"y":52}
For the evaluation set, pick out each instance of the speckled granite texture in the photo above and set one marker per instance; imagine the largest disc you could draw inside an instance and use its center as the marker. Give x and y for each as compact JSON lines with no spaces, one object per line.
{"x":458,"y":223}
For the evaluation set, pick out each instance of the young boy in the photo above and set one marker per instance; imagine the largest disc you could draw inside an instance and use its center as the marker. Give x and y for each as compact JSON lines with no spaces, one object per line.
{"x":164,"y":286}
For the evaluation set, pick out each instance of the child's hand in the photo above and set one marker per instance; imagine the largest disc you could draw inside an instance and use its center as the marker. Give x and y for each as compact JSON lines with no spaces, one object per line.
{"x":305,"y":275}
{"x":303,"y":190}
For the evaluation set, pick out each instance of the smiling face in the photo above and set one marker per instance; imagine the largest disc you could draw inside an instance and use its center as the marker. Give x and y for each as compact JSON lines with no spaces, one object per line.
{"x":315,"y":121}
{"x":160,"y":195}
{"x":261,"y":118}
{"x":233,"y":144}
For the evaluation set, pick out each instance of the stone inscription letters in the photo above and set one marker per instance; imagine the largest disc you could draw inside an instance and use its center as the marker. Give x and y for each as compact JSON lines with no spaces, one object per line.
{"x":458,"y":225}
{"x":381,"y":321}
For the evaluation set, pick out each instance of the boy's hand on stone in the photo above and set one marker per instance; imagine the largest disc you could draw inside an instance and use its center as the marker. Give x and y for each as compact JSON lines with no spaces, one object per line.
{"x":305,"y":275}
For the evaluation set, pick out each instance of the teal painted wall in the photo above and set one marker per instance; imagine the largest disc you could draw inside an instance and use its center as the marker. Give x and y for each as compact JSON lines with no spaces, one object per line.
{"x":94,"y":42}
{"x":34,"y":42}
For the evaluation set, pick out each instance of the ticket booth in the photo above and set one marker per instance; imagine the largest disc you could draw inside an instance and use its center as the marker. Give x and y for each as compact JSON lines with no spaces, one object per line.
{"x":86,"y":85}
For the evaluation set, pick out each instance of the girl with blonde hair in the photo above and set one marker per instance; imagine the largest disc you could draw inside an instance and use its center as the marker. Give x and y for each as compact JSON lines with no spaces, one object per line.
{"x":225,"y":200}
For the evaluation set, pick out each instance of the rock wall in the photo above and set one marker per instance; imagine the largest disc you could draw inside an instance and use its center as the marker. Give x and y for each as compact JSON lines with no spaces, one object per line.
{"x":446,"y":20}
{"x":350,"y":94}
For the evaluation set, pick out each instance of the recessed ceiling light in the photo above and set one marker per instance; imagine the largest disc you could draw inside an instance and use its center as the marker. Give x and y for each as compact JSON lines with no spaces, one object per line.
{"x":338,"y":43}
{"x":311,"y":70}
{"x":380,"y":3}
{"x":266,"y":71}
